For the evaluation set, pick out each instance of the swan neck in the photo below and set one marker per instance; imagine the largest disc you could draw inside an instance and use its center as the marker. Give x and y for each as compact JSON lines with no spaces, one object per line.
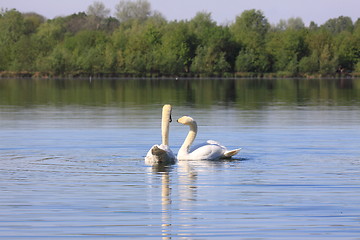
{"x":165,"y":124}
{"x":190,"y":137}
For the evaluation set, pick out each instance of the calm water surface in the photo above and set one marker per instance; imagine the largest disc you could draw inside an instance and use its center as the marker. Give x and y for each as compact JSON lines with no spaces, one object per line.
{"x":72,"y":160}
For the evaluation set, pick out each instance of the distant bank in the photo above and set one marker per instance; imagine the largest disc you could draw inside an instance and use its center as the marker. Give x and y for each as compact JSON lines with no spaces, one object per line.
{"x":92,"y":44}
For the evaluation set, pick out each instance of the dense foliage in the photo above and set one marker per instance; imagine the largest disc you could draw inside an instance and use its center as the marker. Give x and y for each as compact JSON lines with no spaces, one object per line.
{"x":140,"y":42}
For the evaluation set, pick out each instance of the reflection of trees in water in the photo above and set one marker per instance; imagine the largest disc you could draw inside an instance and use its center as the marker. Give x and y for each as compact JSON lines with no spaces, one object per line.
{"x":189,"y":92}
{"x":345,"y":83}
{"x":244,"y":93}
{"x":230,"y":93}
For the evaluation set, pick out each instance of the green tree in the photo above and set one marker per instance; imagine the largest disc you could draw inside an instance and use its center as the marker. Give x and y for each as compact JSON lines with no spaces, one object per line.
{"x":327,"y":61}
{"x":309,"y":64}
{"x":250,"y":60}
{"x":321,"y":48}
{"x":250,"y":31}
{"x":59,"y":61}
{"x":211,"y":55}
{"x":356,"y":46}
{"x":32,"y":22}
{"x":337,"y":25}
{"x":47,"y":37}
{"x":287,"y":48}
{"x":178,"y":48}
{"x":347,"y":49}
{"x":24,"y":52}
{"x":138,"y":45}
{"x":110,"y":58}
{"x":203,"y":27}
{"x":12,"y":30}
{"x":313,"y":26}
{"x":87,"y":50}
{"x":210,"y":60}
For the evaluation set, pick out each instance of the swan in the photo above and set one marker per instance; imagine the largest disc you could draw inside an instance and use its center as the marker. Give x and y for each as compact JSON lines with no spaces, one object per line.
{"x":210,"y":150}
{"x":162,"y":153}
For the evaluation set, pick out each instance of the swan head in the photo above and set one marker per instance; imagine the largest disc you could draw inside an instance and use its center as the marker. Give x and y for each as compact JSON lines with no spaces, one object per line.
{"x":167,"y":111}
{"x":186,"y":120}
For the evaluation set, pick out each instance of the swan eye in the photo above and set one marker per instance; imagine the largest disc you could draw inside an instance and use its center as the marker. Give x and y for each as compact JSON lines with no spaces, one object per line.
{"x":170,"y":120}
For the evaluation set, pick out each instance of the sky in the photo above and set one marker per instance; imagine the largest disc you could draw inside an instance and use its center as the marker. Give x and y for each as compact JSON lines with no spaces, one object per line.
{"x":222,"y":11}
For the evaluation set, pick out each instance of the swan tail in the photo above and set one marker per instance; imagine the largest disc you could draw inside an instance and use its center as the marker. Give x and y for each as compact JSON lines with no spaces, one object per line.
{"x":231,"y":153}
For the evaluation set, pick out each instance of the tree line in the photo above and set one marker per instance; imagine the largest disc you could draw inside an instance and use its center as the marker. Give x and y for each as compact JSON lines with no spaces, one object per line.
{"x":141,"y":42}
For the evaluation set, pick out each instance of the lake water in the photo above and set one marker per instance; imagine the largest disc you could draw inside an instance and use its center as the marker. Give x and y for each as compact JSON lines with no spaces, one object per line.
{"x":72,"y":159}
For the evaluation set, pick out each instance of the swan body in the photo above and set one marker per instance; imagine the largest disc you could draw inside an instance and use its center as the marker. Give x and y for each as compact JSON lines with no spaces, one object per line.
{"x":162,"y":154}
{"x":209,"y":150}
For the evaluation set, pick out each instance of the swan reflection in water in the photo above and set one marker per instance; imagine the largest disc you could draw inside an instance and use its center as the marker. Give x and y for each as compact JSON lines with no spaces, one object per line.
{"x":180,"y":193}
{"x":163,"y":170}
{"x":187,"y":182}
{"x":187,"y":193}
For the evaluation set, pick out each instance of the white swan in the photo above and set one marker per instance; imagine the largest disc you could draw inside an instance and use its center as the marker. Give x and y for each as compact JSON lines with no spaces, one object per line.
{"x":162,"y":153}
{"x":210,"y":150}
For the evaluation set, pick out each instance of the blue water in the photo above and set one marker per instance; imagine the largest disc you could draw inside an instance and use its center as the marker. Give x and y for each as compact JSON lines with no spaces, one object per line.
{"x":77,"y":172}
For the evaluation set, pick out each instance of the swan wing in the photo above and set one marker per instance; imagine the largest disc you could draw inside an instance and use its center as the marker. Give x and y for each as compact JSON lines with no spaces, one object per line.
{"x":213,"y":142}
{"x":207,"y":143}
{"x":210,"y":150}
{"x":227,"y":153}
{"x":206,"y":151}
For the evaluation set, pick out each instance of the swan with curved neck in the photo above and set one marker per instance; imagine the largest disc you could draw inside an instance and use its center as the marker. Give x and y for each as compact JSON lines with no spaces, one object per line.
{"x":210,"y":150}
{"x":162,"y":153}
